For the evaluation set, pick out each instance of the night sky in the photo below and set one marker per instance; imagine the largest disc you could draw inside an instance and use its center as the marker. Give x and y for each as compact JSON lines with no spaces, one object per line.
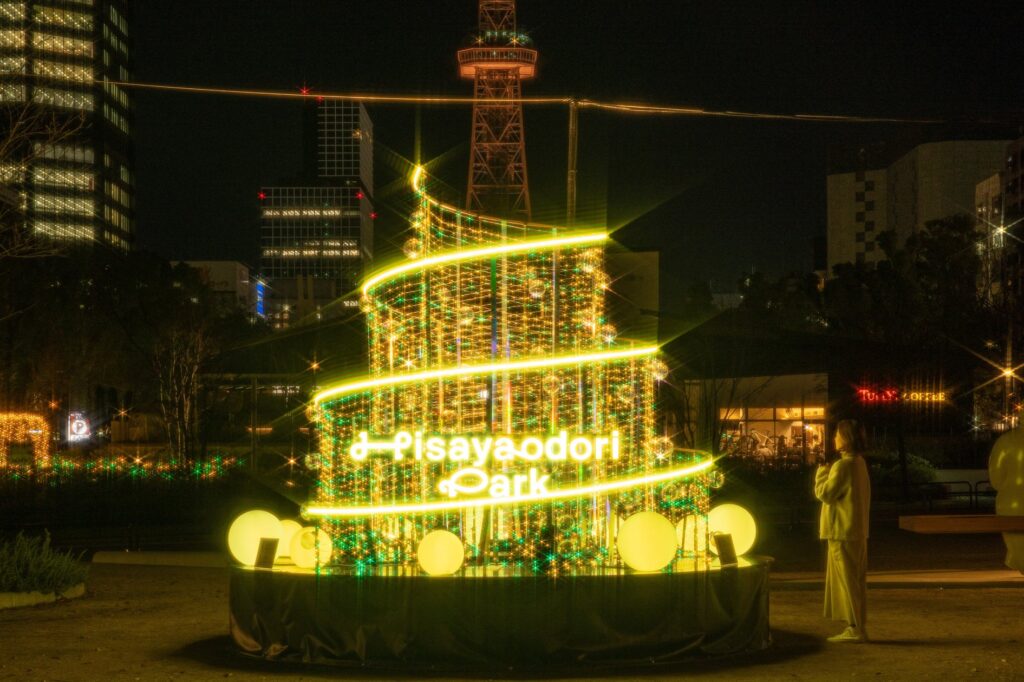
{"x":717,"y":196}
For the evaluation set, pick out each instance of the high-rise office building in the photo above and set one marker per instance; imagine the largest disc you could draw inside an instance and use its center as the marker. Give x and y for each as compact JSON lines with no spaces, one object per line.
{"x":58,"y":63}
{"x":317,"y":232}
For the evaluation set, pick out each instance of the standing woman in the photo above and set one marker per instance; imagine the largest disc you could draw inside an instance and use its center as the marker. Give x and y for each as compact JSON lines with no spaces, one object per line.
{"x":845,"y":494}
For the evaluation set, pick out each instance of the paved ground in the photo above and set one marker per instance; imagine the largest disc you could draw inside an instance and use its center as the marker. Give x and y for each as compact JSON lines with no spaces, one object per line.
{"x":170,"y":623}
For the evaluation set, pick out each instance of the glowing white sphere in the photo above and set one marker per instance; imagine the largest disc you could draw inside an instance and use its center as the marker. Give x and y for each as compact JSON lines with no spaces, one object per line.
{"x":413,"y":248}
{"x":537,"y":288}
{"x":440,"y":552}
{"x":246,"y":532}
{"x":662,"y":447}
{"x":647,"y":541}
{"x":304,"y":550}
{"x":737,"y":522}
{"x":288,"y":530}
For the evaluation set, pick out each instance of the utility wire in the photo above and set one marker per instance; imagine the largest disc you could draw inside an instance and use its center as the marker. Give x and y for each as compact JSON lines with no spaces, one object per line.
{"x":621,"y":107}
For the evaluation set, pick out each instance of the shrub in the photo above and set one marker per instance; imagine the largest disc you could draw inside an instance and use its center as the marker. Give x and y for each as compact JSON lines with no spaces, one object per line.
{"x":885,"y":469}
{"x":29,"y":564}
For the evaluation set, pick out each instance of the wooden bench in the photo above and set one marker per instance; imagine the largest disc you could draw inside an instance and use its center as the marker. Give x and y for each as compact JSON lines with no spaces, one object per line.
{"x":962,"y":523}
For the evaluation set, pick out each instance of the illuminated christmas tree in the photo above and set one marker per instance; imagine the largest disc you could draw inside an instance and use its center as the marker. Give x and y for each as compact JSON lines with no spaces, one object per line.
{"x":500,"y":406}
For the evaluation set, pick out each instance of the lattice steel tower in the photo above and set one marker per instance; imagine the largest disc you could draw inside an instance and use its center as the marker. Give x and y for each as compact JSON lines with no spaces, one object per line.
{"x":498,"y":61}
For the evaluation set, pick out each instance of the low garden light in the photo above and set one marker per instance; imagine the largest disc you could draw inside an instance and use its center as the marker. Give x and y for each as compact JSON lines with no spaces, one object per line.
{"x":246,"y":532}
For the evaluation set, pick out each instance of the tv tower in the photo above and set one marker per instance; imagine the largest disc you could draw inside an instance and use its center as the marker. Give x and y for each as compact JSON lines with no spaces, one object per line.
{"x":498,"y":61}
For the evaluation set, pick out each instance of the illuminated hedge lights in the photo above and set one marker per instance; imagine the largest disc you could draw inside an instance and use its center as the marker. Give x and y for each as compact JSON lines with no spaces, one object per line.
{"x":26,"y":431}
{"x":500,"y":406}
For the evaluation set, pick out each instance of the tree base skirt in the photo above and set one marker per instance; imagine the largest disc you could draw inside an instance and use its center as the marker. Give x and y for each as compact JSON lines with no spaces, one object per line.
{"x":497,"y":618}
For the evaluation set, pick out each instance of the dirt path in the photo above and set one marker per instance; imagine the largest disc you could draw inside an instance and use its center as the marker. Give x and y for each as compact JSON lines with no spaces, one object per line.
{"x":149,"y":623}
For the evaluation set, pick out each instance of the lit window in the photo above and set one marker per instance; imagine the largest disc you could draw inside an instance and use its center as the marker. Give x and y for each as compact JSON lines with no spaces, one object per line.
{"x":9,"y":38}
{"x":46,"y":42}
{"x":62,"y":230}
{"x":59,"y":17}
{"x":12,"y":92}
{"x":67,"y":99}
{"x":51,"y":203}
{"x":15,"y":11}
{"x":68,"y":72}
{"x":12,"y":65}
{"x":62,"y":176}
{"x":12,"y":173}
{"x":63,"y":152}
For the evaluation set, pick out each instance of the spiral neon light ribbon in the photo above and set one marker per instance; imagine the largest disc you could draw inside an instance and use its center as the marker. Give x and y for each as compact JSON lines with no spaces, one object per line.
{"x":659,"y":473}
{"x":560,"y":494}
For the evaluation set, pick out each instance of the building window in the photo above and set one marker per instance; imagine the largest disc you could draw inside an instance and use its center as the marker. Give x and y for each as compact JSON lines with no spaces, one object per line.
{"x":869,"y":226}
{"x":58,"y":17}
{"x":63,"y":230}
{"x":869,"y":186}
{"x":859,"y":217}
{"x":869,"y":206}
{"x":51,"y":203}
{"x":860,"y":237}
{"x":12,"y":92}
{"x":43,"y":175}
{"x":859,"y":196}
{"x":61,"y":71}
{"x":12,"y":65}
{"x":15,"y":11}
{"x":46,"y":42}
{"x":66,"y":99}
{"x":12,"y":39}
{"x":63,"y":152}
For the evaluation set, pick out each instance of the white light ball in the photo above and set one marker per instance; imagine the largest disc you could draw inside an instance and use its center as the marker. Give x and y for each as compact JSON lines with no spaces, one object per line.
{"x":647,"y":541}
{"x":662,"y":447}
{"x":288,"y":530}
{"x":737,"y":522}
{"x":246,"y":532}
{"x":413,"y":248}
{"x":303,"y":547}
{"x":440,"y":552}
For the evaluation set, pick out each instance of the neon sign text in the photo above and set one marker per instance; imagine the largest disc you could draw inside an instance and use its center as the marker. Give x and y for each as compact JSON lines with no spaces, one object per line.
{"x":497,"y":485}
{"x":894,"y":395}
{"x":468,"y":503}
{"x":479,"y":449}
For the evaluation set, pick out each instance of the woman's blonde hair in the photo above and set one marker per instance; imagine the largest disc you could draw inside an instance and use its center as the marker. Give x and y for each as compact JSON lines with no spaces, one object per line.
{"x":852,"y":434}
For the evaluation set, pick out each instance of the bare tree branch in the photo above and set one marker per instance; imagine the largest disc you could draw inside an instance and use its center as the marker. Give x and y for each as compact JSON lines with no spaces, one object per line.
{"x":28,"y":132}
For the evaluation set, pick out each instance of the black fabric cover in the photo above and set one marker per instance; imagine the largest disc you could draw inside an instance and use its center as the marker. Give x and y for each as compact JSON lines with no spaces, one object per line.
{"x":604,"y":619}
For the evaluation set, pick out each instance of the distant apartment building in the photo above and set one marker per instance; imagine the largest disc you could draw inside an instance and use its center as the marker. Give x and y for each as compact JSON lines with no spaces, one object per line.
{"x":932,"y":181}
{"x":316,"y":232}
{"x":59,"y":61}
{"x":998,"y":219}
{"x":231,"y":284}
{"x":1013,"y":179}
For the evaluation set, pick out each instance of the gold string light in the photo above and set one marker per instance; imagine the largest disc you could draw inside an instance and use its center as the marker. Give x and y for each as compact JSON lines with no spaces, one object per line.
{"x":492,"y":329}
